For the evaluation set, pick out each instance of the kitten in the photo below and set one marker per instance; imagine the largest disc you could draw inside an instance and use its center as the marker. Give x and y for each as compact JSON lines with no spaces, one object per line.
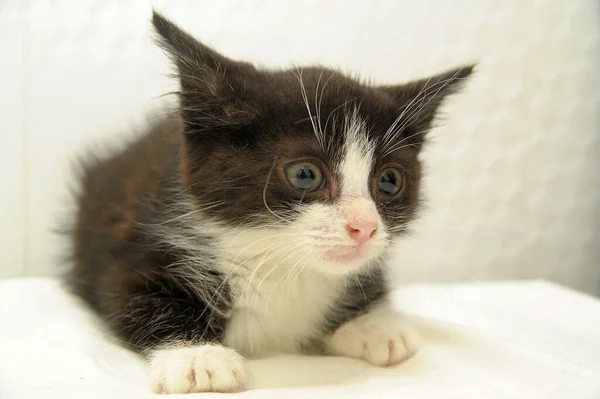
{"x":256,"y":220}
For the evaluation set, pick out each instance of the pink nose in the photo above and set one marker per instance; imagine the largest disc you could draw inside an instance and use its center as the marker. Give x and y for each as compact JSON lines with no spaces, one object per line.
{"x":362,"y":231}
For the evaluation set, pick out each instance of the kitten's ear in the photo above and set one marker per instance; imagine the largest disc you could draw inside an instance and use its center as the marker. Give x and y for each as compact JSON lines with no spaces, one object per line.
{"x":212,"y":85}
{"x":419,"y":100}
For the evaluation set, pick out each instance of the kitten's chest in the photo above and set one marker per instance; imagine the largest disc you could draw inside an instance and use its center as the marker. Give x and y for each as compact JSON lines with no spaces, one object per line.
{"x":280,"y":312}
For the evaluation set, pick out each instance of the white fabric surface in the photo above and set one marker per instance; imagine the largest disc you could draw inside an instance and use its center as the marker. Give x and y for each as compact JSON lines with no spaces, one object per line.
{"x":485,"y":341}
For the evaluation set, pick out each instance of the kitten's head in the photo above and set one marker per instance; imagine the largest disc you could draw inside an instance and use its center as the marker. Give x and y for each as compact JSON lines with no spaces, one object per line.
{"x":302,"y":164}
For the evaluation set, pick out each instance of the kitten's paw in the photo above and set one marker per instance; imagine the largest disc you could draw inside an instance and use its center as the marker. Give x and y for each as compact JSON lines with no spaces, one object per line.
{"x":380,"y":337}
{"x":206,"y":368}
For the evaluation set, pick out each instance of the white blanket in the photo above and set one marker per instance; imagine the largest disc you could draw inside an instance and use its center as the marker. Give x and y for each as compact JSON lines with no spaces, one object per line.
{"x":485,"y":341}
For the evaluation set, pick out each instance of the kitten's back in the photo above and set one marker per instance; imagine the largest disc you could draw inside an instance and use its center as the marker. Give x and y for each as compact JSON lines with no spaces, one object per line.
{"x":115,"y":197}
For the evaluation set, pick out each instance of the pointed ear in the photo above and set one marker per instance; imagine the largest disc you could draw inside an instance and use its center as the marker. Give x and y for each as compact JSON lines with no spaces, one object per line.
{"x":212,"y":85}
{"x":418,"y":101}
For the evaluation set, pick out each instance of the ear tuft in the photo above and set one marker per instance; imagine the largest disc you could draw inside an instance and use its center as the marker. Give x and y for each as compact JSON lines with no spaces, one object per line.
{"x":437,"y":86}
{"x":418,"y":102}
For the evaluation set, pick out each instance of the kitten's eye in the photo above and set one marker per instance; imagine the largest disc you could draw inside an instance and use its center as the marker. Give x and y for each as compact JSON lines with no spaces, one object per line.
{"x":305,"y":176}
{"x":390,"y":181}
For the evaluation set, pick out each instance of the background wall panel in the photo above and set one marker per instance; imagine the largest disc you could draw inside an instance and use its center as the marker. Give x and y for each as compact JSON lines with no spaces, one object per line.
{"x":512,"y":185}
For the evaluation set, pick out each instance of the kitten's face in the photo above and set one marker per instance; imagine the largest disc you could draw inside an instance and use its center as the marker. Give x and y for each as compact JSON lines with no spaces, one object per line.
{"x":303,"y":167}
{"x":339,"y":195}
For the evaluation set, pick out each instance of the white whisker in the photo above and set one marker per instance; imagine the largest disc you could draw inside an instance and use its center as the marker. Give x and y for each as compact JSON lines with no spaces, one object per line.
{"x":312,"y":121}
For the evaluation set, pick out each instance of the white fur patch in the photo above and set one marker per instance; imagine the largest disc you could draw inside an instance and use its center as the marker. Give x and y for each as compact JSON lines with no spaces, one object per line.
{"x":380,"y":337}
{"x":205,"y":368}
{"x":356,"y":165}
{"x":277,"y":313}
{"x":280,"y":299}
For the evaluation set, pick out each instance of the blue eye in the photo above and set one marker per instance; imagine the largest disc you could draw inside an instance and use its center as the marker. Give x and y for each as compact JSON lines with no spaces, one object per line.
{"x":390,"y":181}
{"x":305,"y":176}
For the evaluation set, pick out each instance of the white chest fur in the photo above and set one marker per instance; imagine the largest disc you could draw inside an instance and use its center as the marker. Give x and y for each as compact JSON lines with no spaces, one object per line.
{"x":275,"y":311}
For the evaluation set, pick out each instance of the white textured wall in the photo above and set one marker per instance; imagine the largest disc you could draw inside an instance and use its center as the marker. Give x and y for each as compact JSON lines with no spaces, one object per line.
{"x":513,"y":181}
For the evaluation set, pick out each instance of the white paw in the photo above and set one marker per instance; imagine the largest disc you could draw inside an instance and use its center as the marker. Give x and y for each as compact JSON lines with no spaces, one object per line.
{"x":380,"y":337}
{"x":206,"y":368}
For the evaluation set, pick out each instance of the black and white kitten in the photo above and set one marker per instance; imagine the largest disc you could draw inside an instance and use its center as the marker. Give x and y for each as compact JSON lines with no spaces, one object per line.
{"x":256,"y":220}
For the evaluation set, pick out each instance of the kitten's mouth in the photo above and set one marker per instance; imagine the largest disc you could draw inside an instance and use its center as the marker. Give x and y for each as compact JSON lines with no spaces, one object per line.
{"x":346,"y":255}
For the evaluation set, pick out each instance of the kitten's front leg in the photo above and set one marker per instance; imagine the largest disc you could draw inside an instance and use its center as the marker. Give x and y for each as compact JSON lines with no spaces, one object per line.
{"x":199,"y":368}
{"x":379,"y":336}
{"x":179,"y":335}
